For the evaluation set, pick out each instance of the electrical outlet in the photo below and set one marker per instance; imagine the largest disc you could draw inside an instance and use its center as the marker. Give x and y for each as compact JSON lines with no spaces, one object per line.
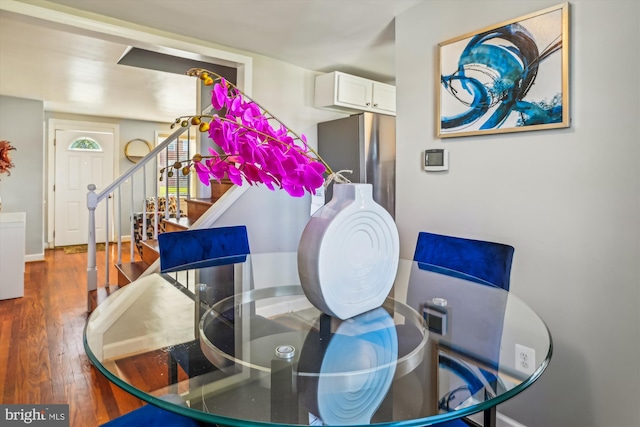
{"x":525,"y":359}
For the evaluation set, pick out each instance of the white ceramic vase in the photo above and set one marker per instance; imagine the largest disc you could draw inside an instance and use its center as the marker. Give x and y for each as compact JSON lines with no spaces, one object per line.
{"x":348,"y":253}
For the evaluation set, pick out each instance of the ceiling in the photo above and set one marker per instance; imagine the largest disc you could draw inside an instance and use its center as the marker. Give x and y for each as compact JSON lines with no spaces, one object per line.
{"x":78,"y":73}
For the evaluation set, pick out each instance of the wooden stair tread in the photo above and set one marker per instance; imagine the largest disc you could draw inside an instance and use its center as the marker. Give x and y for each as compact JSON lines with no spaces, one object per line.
{"x":151,"y":244}
{"x":177,"y":224}
{"x":130,"y":271}
{"x":202,"y":200}
{"x":150,"y":251}
{"x":196,"y":207}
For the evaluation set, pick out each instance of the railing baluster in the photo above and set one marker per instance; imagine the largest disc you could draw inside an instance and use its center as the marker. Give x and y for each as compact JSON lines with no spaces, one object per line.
{"x":155,"y":195}
{"x":132,"y":220}
{"x":131,"y":229}
{"x":178,"y":175}
{"x":92,"y":272}
{"x":166,"y":187}
{"x":188,"y":177}
{"x":119,"y":229}
{"x":156,"y":208}
{"x":106,"y":240}
{"x":144,"y":203}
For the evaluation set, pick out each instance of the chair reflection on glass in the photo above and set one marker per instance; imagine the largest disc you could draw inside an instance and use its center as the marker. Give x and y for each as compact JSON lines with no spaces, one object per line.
{"x":482,"y":262}
{"x":213,"y":252}
{"x":220,"y":260}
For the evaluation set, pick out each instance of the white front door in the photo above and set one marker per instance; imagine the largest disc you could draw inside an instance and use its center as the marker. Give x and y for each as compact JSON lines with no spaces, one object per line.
{"x":81,"y":158}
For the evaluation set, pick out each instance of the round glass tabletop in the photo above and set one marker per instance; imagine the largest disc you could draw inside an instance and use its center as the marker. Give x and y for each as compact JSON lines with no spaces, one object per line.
{"x":267,"y":356}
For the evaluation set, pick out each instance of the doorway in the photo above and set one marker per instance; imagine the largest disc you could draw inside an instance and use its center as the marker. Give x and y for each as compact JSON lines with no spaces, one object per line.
{"x":82,"y":154}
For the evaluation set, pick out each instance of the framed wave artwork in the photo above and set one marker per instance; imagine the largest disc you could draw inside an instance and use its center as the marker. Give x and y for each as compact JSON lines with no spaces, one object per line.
{"x":510,"y":77}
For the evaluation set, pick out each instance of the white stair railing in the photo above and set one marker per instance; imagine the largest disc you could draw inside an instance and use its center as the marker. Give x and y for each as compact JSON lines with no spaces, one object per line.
{"x":114,"y":192}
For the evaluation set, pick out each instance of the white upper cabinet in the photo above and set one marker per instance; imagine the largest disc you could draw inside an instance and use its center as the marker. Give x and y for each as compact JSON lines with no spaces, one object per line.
{"x":344,"y":92}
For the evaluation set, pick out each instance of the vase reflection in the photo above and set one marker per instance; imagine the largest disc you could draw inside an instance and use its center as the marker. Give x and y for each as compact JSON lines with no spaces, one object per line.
{"x":348,"y":371}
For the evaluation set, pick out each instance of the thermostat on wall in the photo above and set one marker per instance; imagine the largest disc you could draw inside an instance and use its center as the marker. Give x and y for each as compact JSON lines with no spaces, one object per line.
{"x":436,"y":160}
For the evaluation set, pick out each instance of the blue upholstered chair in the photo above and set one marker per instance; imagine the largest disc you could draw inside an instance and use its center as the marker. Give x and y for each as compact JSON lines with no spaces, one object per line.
{"x":153,"y":416}
{"x":206,"y":249}
{"x":479,"y":261}
{"x":482,"y":262}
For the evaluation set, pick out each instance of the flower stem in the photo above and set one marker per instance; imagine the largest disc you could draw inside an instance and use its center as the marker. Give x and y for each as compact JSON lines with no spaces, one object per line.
{"x":199,"y":71}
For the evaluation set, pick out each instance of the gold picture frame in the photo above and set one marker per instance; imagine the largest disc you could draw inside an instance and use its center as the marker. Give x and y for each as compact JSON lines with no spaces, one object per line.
{"x":509,"y":77}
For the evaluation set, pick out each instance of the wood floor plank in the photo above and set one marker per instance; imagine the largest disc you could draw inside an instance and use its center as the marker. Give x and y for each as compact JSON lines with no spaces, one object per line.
{"x":5,"y":339}
{"x":42,"y":357}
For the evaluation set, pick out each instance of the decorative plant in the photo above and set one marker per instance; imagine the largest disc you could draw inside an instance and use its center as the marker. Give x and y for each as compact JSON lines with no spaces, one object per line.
{"x":5,"y":160}
{"x":254,"y":145}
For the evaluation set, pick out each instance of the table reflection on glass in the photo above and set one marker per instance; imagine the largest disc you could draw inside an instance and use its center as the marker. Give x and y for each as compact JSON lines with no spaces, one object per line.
{"x":265,"y":355}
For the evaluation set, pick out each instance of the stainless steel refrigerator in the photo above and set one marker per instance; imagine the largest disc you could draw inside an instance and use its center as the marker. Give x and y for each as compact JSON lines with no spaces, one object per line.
{"x":366,"y":144}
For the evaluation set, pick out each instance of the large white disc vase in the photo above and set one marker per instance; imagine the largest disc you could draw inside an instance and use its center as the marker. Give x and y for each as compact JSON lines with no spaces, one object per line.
{"x":348,"y":253}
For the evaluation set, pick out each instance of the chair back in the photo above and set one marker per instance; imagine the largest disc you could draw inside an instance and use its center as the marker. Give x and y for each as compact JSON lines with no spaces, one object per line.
{"x":206,"y":247}
{"x":475,"y":261}
{"x":479,"y":261}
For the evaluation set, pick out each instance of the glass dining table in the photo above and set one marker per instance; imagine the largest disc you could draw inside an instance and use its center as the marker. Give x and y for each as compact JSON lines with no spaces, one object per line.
{"x":241,"y":345}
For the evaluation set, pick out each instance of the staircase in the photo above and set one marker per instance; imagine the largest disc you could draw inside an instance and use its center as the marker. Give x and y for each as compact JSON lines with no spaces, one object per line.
{"x":196,"y":207}
{"x":139,"y":183}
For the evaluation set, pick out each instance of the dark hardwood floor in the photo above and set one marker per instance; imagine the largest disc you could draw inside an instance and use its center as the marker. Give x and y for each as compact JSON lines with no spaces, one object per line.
{"x":42,"y":358}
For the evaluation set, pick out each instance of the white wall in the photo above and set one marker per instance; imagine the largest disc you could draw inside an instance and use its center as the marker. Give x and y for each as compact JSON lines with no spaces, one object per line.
{"x":568,"y":200}
{"x":21,"y":125}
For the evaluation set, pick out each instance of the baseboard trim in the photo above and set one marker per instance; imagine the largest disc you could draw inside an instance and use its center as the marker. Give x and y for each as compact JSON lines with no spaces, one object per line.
{"x":504,"y":421}
{"x":34,"y":257}
{"x":123,"y":239}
